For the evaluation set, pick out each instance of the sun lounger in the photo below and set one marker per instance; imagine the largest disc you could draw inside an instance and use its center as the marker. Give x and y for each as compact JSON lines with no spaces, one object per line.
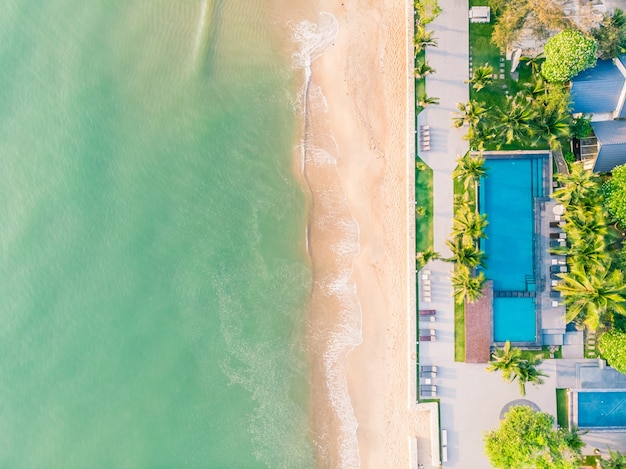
{"x":558,"y":261}
{"x":555,"y":304}
{"x":555,"y":276}
{"x":559,"y":235}
{"x":432,"y":369}
{"x":557,"y":243}
{"x":558,"y":268}
{"x":555,"y":294}
{"x":428,"y":390}
{"x":426,"y":338}
{"x":427,"y":312}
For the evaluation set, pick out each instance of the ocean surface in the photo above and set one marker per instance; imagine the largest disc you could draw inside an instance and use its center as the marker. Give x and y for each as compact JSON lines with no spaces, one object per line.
{"x":153,"y":267}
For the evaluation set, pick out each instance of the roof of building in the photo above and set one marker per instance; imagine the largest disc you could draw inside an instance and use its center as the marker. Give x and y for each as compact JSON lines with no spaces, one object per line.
{"x":597,"y":89}
{"x":611,"y":137}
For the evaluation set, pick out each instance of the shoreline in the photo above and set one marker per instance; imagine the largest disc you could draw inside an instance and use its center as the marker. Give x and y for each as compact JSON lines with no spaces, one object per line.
{"x":363,"y":79}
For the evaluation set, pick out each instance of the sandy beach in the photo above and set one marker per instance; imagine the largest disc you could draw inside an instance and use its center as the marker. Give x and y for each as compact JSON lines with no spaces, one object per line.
{"x":363,"y":78}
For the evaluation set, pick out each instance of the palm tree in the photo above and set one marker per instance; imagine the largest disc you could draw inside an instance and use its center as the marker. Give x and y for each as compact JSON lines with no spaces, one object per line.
{"x":422,"y":69}
{"x":470,"y":168}
{"x":509,"y":361}
{"x":423,"y":39}
{"x":534,"y":63}
{"x":579,"y":184}
{"x":591,"y":294}
{"x":424,"y":257}
{"x":482,"y":76}
{"x":553,"y":124}
{"x":465,"y":285}
{"x":529,"y":373}
{"x":425,"y":100}
{"x":466,"y":254}
{"x":616,"y":460}
{"x":469,"y":225}
{"x":513,"y":120}
{"x":470,"y":113}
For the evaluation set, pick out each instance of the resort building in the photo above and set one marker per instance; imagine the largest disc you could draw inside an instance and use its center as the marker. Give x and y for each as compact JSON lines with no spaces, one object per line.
{"x":600,"y":93}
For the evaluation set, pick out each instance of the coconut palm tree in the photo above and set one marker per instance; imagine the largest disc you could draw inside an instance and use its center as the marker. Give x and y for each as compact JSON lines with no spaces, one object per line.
{"x":466,"y":254}
{"x":506,"y":360}
{"x":509,"y":361}
{"x":470,"y":168}
{"x":578,"y":185}
{"x":422,"y":69}
{"x":425,"y":100}
{"x":424,"y":257}
{"x":470,"y":113}
{"x":465,"y":285}
{"x":482,"y":76}
{"x":552,"y":124}
{"x":529,"y":373}
{"x":469,"y":225}
{"x":590,"y":294}
{"x":591,"y":252}
{"x":513,"y":120}
{"x":534,"y":63}
{"x":616,"y":460}
{"x":423,"y":39}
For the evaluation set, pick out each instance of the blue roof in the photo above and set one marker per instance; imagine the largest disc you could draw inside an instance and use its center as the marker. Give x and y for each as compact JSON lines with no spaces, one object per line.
{"x":597,"y":89}
{"x":611,"y":137}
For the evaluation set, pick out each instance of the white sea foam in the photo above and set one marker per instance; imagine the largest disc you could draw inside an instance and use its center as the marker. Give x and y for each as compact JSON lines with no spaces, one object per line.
{"x":313,"y":40}
{"x":201,"y":32}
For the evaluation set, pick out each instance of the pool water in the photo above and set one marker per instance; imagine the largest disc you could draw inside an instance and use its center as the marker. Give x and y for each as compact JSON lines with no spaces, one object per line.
{"x":601,"y":409}
{"x":507,"y":196}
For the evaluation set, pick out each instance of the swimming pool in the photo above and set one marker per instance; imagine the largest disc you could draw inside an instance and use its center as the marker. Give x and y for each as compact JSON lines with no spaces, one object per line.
{"x":599,"y":409}
{"x":507,"y":195}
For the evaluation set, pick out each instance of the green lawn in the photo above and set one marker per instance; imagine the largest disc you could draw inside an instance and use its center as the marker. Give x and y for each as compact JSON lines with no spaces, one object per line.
{"x":562,"y":414}
{"x":482,"y":51}
{"x":423,"y":198}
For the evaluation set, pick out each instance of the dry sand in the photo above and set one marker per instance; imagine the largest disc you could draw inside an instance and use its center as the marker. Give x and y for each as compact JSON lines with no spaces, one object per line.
{"x":364,"y":78}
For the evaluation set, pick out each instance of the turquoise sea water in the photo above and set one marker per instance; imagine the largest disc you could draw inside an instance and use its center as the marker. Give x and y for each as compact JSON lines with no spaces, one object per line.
{"x":153,"y":275}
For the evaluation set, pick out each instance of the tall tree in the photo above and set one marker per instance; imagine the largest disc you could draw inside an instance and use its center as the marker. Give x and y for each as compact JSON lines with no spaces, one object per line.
{"x":482,"y":76}
{"x":466,"y":254}
{"x":527,"y":439}
{"x":592,"y":293}
{"x":465,"y":285}
{"x":470,"y":168}
{"x":578,"y":185}
{"x":423,"y":69}
{"x":469,"y":225}
{"x":514,"y":367}
{"x":513,"y":120}
{"x":611,"y":35}
{"x":470,"y":113}
{"x":425,"y":100}
{"x":423,"y":39}
{"x":614,"y":191}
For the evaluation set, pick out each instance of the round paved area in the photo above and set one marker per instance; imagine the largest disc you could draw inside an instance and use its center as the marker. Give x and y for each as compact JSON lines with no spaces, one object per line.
{"x":516,"y":402}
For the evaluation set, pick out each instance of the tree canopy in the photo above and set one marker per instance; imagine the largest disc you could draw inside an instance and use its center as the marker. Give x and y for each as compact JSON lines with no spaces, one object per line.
{"x":527,"y":439}
{"x":611,"y":35}
{"x":614,"y":191}
{"x":567,"y":54}
{"x":612,"y":345}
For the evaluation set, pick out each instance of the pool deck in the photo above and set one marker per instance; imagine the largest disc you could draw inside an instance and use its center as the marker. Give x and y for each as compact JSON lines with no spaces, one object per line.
{"x":478,"y":326}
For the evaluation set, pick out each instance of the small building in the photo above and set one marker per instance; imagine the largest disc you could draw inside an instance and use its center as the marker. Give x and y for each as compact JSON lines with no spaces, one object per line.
{"x":480,"y":14}
{"x":600,"y":93}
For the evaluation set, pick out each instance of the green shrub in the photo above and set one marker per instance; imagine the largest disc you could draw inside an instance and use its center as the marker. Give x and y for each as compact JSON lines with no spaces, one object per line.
{"x":614,"y":191}
{"x":567,"y":54}
{"x":612,"y":345}
{"x":569,"y":157}
{"x":581,"y":128}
